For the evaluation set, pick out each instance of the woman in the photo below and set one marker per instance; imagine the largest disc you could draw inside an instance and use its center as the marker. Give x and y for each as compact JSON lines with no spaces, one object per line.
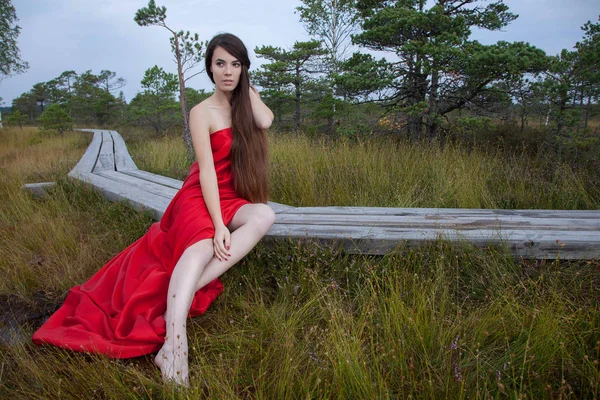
{"x":234,"y":104}
{"x":139,"y":301}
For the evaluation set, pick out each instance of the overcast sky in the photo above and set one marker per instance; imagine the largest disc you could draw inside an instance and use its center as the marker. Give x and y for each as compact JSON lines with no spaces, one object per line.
{"x":81,"y":35}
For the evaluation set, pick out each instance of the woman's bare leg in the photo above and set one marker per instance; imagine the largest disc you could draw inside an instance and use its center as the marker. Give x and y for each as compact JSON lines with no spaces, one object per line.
{"x":249,"y":224}
{"x":172,"y":359}
{"x":196,"y":268}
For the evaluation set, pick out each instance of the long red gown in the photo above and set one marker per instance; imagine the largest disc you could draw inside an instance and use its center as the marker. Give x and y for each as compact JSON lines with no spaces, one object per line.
{"x":119,"y":311}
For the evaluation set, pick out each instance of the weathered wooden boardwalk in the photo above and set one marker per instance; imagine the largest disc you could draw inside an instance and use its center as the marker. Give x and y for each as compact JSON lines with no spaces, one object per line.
{"x":108,"y":167}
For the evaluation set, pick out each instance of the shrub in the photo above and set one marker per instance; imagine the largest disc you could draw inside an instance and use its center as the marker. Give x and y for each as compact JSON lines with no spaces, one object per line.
{"x":55,"y":118}
{"x":16,"y":119}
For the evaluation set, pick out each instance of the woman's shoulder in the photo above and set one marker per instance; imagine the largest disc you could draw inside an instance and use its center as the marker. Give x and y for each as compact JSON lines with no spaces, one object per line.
{"x":200,"y":118}
{"x":202,"y":107}
{"x":212,"y":114}
{"x":208,"y":108}
{"x":203,"y":111}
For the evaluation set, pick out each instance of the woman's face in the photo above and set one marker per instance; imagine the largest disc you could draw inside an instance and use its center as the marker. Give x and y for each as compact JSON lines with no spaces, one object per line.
{"x":226,"y":70}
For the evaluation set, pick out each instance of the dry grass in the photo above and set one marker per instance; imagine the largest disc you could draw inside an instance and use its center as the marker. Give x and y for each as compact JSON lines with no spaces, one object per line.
{"x":54,"y":243}
{"x":390,"y":173}
{"x":297,"y":320}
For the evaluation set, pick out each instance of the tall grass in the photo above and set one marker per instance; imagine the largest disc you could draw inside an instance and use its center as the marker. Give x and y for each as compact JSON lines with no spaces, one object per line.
{"x":300,"y":321}
{"x":53,"y":243}
{"x":389,"y":173}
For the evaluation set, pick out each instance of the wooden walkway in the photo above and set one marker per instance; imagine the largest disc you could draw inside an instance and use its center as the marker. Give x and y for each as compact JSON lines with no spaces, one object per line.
{"x":108,"y":167}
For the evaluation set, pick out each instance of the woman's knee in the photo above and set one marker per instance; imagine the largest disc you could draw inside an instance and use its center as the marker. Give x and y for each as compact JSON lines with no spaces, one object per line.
{"x":259,"y":216}
{"x":263,"y":217}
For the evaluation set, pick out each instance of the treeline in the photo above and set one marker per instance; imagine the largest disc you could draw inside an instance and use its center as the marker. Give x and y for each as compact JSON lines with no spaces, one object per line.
{"x":433,"y":82}
{"x":88,"y":99}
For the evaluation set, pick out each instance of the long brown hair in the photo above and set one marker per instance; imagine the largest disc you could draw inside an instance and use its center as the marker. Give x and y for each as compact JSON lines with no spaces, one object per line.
{"x":249,"y":156}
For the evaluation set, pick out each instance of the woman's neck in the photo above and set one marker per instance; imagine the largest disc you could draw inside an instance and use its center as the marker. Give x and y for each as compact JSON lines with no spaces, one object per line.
{"x":221,"y":97}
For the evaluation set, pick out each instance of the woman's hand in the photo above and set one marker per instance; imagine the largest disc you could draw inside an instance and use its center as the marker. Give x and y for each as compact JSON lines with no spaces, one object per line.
{"x":221,"y":242}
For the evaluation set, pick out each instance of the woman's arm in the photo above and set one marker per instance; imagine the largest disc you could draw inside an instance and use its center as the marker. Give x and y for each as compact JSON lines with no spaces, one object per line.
{"x":263,"y":116}
{"x":199,"y":131}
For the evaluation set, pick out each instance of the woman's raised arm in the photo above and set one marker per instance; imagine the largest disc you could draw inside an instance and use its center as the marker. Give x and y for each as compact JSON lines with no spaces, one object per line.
{"x":263,"y":116}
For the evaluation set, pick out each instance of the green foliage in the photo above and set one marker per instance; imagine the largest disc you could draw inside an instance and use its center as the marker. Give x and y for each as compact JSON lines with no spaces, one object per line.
{"x":330,"y":21}
{"x":589,"y":54}
{"x":438,"y":64}
{"x":333,"y":23}
{"x":151,"y":15}
{"x":61,"y":88}
{"x":150,"y":110}
{"x":16,"y":119}
{"x":27,"y":105}
{"x":187,"y":49}
{"x":35,"y":140}
{"x":473,"y":125}
{"x":364,"y":76}
{"x":40,"y":93}
{"x":87,"y":97}
{"x":91,"y":102}
{"x":156,"y":107}
{"x":193,"y":97}
{"x":10,"y":58}
{"x":559,"y":87}
{"x":109,"y":81}
{"x":581,"y":146}
{"x":190,"y":49}
{"x":55,"y":118}
{"x":288,"y":75}
{"x":160,"y":83}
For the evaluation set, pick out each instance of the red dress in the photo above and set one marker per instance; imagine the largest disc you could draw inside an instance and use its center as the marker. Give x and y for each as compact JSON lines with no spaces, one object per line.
{"x":119,"y":311}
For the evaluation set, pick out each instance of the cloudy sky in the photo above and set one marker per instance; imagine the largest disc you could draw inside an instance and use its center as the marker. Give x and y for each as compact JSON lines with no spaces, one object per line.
{"x":81,"y":35}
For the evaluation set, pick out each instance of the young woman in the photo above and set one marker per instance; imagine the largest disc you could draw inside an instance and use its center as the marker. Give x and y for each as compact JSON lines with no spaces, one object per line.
{"x":234,"y":110}
{"x":139,"y":301}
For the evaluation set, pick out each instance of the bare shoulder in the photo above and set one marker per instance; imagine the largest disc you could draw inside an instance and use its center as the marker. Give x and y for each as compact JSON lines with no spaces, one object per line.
{"x":213,"y":116}
{"x":201,"y":109}
{"x":200,"y":118}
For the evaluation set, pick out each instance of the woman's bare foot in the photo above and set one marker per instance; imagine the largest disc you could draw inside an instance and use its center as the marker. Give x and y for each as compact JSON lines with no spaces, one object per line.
{"x":173,"y":364}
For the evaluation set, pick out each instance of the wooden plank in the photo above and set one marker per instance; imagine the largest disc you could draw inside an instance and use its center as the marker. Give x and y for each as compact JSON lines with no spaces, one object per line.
{"x":420,"y":221}
{"x":442,"y":213}
{"x":278,"y":207}
{"x":139,"y":184}
{"x":106,"y":157}
{"x":123,"y":159}
{"x":117,"y":191}
{"x":38,"y":189}
{"x":368,"y":240}
{"x":177,"y":184}
{"x":373,"y":230}
{"x":397,"y":233}
{"x":158,"y":179}
{"x":87,"y":162}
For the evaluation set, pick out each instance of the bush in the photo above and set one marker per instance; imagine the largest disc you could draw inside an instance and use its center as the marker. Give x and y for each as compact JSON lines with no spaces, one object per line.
{"x":16,"y":119}
{"x":55,"y":118}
